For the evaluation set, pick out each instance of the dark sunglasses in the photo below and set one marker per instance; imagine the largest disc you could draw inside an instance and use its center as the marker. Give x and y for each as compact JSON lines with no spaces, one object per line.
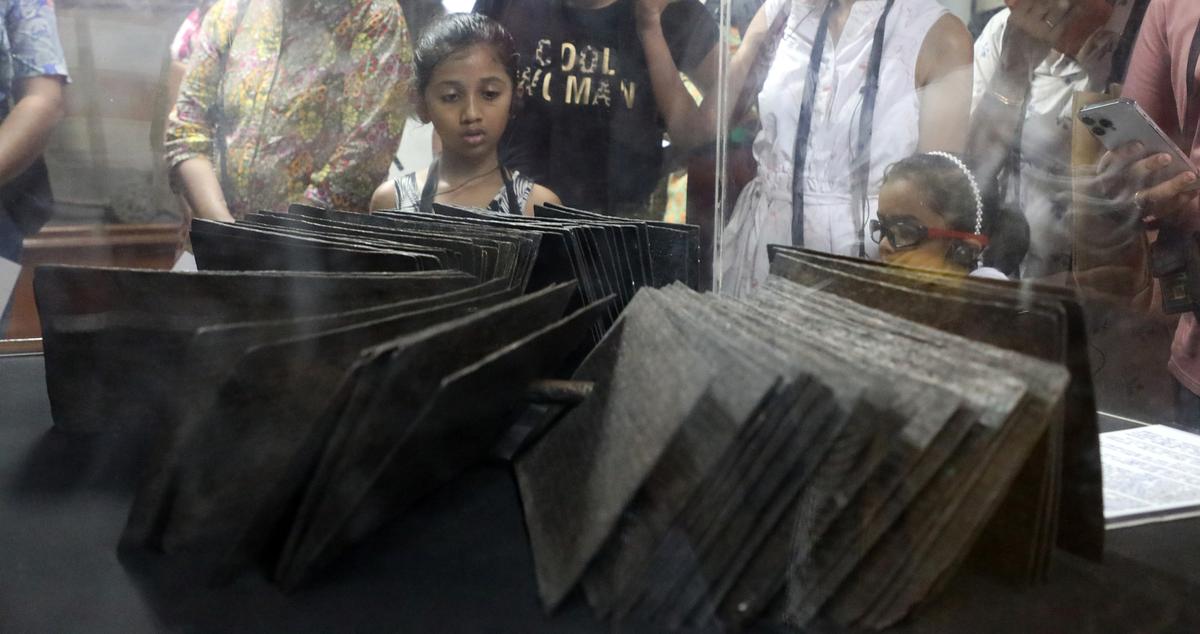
{"x":906,"y":233}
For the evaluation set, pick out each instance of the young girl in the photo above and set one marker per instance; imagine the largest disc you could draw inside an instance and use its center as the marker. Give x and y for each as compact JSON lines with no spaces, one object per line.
{"x":466,"y":69}
{"x":931,"y":216}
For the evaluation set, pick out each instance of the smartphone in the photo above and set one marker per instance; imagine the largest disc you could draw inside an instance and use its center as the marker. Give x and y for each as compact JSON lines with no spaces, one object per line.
{"x":1121,"y":121}
{"x":1085,"y":18}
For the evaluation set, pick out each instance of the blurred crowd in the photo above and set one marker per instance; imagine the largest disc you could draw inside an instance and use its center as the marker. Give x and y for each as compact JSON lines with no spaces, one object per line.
{"x":868,"y":128}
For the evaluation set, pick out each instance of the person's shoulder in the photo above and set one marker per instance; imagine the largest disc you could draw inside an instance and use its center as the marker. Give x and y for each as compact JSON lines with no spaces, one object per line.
{"x":384,"y":196}
{"x":1162,"y":13}
{"x":948,"y":36}
{"x":540,"y":195}
{"x":945,"y":48}
{"x":993,"y":31}
{"x":949,"y":26}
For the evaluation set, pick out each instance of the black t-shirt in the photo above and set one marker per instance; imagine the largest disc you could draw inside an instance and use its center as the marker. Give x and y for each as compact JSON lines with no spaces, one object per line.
{"x":589,"y":127}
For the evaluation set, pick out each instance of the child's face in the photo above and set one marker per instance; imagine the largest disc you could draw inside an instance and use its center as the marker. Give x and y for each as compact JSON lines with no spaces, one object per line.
{"x":468,"y":100}
{"x":901,"y":200}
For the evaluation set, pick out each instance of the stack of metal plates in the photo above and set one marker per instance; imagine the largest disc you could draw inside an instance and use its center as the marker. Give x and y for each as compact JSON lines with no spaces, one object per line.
{"x":325,"y":370}
{"x":797,"y":455}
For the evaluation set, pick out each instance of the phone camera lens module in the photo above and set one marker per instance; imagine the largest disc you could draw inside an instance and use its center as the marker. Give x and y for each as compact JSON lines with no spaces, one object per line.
{"x":1106,"y":123}
{"x":1088,"y":121}
{"x":1098,"y":131}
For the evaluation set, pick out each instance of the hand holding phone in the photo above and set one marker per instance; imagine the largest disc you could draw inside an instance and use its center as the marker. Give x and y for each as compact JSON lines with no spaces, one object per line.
{"x":1119,"y":122}
{"x":1144,"y":168}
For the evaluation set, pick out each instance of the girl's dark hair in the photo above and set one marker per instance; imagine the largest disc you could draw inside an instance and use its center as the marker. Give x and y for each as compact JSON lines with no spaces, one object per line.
{"x":944,"y":185}
{"x":949,"y":193}
{"x":1008,"y":238}
{"x":453,"y":32}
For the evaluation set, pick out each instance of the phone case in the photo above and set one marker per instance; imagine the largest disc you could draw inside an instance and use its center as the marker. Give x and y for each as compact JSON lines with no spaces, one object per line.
{"x":1121,"y":121}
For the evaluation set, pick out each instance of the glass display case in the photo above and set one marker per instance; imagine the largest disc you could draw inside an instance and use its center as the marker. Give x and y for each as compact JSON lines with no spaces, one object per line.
{"x":599,"y":315}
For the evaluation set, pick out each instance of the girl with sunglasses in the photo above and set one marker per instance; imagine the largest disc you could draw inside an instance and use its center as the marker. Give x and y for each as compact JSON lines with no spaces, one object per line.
{"x":932,"y":216}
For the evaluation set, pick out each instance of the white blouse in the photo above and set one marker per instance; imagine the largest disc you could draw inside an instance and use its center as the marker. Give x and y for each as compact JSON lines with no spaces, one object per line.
{"x":832,"y":222}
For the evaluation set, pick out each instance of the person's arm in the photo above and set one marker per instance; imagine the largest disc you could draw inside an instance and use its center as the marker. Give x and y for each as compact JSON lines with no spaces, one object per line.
{"x":26,"y":130}
{"x":189,"y":135}
{"x":374,"y":106}
{"x":202,"y":189}
{"x":675,"y":103}
{"x":944,"y":84}
{"x":384,"y":196}
{"x":539,"y":196}
{"x":687,"y":123}
{"x":38,"y":72}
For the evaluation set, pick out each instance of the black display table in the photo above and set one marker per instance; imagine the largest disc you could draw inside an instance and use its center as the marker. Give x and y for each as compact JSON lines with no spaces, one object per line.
{"x":459,"y":562}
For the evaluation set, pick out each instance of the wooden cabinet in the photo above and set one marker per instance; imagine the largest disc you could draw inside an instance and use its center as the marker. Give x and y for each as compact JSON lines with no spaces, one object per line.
{"x":136,"y":246}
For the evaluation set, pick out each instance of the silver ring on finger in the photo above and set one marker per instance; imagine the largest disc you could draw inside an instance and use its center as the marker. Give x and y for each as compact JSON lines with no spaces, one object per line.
{"x":1139,"y":203}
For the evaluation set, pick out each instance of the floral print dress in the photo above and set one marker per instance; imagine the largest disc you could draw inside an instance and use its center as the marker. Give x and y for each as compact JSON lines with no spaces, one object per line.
{"x":313,"y":100}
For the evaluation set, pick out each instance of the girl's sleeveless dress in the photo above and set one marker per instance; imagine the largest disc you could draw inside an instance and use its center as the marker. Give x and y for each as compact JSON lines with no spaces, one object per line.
{"x":408,"y":195}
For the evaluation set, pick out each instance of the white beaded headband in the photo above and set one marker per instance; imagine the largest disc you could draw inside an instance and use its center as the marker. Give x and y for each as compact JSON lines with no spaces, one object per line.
{"x":971,"y":181}
{"x":974,"y":190}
